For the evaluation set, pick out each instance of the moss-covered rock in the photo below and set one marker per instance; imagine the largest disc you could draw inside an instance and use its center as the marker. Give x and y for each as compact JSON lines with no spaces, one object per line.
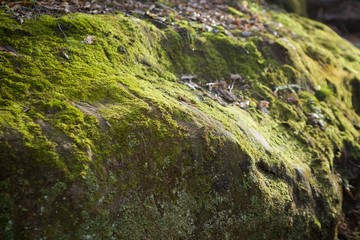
{"x":100,"y":140}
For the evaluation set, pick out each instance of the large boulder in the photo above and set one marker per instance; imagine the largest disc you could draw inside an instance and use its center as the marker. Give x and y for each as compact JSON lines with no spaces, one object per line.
{"x":101,"y":139}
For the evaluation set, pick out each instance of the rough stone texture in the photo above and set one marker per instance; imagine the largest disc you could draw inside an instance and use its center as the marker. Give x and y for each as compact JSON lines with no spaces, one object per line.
{"x":103,"y":141}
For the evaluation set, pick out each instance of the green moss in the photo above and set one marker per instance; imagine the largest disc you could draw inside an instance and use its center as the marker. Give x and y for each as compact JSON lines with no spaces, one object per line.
{"x":235,"y":12}
{"x":298,"y":7}
{"x":121,"y":154}
{"x":323,"y":93}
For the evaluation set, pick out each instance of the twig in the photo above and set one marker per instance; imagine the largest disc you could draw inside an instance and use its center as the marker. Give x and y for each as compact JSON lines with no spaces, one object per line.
{"x":67,"y":39}
{"x":146,"y":155}
{"x":232,"y":85}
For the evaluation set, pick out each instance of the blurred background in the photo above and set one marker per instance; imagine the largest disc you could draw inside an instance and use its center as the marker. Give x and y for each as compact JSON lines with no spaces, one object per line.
{"x":341,"y":15}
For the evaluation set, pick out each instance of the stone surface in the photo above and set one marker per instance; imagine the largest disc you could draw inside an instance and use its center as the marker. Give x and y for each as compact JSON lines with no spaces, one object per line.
{"x":100,"y":145}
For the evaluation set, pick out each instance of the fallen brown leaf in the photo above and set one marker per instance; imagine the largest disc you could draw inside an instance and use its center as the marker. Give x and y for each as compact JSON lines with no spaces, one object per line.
{"x":89,"y":39}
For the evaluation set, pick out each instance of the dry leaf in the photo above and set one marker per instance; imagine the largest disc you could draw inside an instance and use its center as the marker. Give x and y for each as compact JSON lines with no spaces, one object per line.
{"x":8,"y":49}
{"x":245,"y":104}
{"x":244,"y":4}
{"x":187,"y":77}
{"x":235,"y":76}
{"x":226,"y":95}
{"x":89,"y":39}
{"x":263,"y":106}
{"x":185,"y":99}
{"x":20,"y":20}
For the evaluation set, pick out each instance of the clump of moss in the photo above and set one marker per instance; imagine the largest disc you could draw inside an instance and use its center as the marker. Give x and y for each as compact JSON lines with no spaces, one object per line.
{"x":324,"y":93}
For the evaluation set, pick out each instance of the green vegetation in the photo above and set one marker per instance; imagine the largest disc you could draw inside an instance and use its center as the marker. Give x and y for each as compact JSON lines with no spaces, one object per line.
{"x":97,"y":143}
{"x":323,"y":93}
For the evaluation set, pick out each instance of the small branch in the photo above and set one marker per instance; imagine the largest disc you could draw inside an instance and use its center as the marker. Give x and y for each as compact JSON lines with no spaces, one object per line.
{"x":232,"y":85}
{"x":67,"y":39}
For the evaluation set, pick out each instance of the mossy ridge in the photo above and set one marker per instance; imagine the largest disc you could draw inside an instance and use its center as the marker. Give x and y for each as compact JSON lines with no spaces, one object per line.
{"x":320,"y":53}
{"x":141,"y":108}
{"x":291,"y":48}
